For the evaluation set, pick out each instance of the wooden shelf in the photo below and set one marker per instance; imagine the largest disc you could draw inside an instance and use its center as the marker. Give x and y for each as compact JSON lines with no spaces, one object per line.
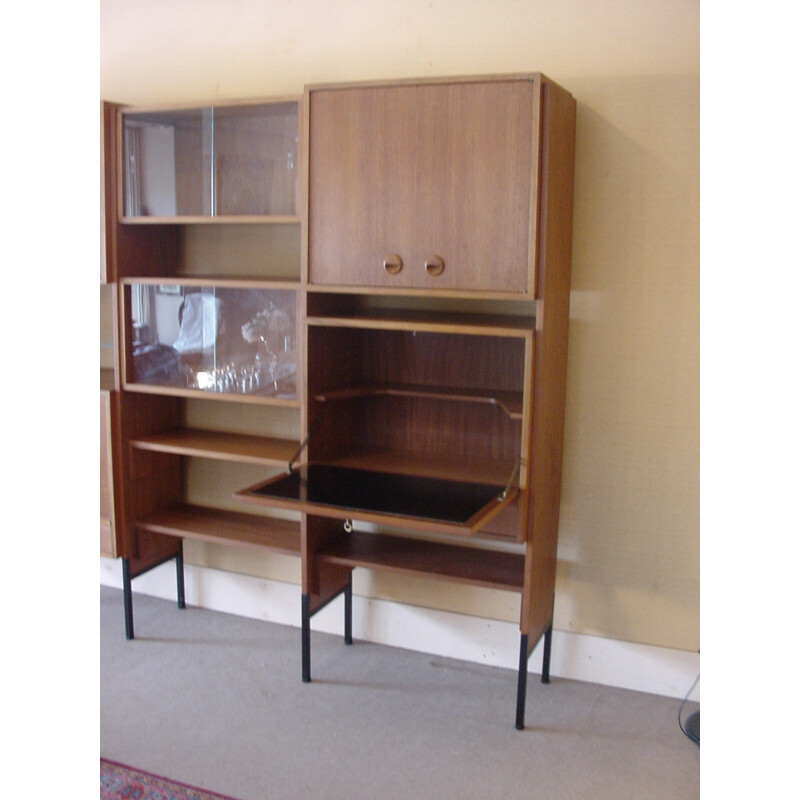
{"x":480,"y":470}
{"x":426,"y":322}
{"x":509,"y":402}
{"x":418,"y":502}
{"x":479,"y":567}
{"x":277,"y":219}
{"x":224,"y":446}
{"x":225,"y":527}
{"x":216,"y":281}
{"x":206,"y":394}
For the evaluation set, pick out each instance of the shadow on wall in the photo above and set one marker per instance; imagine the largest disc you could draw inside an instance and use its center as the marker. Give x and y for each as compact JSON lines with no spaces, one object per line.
{"x":629,"y":542}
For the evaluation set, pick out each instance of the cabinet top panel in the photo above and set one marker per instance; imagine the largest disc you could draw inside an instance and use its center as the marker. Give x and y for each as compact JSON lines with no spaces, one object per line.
{"x":197,"y":105}
{"x":522,"y":76}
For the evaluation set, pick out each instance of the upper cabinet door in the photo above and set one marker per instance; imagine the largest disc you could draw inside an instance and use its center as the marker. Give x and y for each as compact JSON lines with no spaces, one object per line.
{"x":210,"y":163}
{"x":428,"y":186}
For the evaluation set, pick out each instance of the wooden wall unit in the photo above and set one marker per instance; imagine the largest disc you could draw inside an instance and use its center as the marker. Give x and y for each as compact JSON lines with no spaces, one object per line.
{"x":429,"y":331}
{"x":197,"y":191}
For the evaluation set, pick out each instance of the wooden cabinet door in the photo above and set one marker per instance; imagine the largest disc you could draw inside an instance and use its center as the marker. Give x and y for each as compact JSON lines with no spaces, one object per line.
{"x":441,"y":174}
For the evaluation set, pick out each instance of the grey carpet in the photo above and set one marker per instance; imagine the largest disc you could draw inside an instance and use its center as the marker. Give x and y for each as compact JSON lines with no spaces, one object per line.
{"x":216,"y":700}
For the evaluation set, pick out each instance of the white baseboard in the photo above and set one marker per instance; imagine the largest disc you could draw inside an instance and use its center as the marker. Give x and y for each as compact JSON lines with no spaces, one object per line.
{"x":626,"y":665}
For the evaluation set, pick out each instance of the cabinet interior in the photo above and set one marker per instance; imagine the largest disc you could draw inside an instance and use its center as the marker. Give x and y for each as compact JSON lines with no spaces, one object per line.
{"x":439,"y":398}
{"x":425,"y":427}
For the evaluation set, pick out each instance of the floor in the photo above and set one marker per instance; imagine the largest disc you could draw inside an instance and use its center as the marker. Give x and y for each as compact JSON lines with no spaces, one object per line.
{"x":216,"y":700}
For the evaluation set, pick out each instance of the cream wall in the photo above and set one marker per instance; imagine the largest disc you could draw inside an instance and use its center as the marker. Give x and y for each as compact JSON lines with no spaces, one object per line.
{"x":629,"y":542}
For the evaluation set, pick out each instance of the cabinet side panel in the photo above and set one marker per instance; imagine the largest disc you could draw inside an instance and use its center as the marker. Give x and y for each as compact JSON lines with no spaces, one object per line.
{"x":108,"y":192}
{"x":332,"y":363}
{"x":107,"y":541}
{"x":550,"y":358}
{"x":146,"y":251}
{"x":150,"y":482}
{"x":320,"y":582}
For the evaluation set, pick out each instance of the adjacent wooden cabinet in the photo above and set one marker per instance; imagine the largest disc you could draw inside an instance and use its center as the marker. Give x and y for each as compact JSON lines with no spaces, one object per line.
{"x":107,"y":507}
{"x":206,"y":264}
{"x":391,"y":263}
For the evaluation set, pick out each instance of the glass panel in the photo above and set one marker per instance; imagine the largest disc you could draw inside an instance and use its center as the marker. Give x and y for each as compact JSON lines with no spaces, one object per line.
{"x":256,"y":158}
{"x":234,"y":341}
{"x":382,"y":492}
{"x":236,"y":161}
{"x":167,"y":157}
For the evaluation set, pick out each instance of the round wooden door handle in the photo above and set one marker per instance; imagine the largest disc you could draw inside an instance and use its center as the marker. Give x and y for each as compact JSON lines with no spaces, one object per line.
{"x":393,"y":263}
{"x":434,"y":266}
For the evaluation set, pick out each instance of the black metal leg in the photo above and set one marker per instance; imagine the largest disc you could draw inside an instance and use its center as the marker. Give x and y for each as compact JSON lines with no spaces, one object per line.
{"x":127,"y":597}
{"x":179,"y":571}
{"x":548,"y":640}
{"x":522,"y":681}
{"x":306,"y":638}
{"x":348,"y":612}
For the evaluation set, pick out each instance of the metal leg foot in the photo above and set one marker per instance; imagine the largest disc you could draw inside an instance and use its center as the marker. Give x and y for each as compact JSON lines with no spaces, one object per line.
{"x":548,"y":640}
{"x":179,"y":571}
{"x":127,"y":597}
{"x":306,"y":638}
{"x":348,"y":612}
{"x":522,"y":681}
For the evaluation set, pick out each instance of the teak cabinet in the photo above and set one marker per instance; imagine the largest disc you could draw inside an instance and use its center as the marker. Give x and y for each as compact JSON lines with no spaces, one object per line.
{"x":417,"y":330}
{"x":430,"y":186}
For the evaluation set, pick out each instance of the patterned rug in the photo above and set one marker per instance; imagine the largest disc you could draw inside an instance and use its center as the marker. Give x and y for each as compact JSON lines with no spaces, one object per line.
{"x":119,"y":782}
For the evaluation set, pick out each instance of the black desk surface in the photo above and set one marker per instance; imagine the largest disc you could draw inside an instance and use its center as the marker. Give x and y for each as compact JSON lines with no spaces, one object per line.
{"x":381,"y":492}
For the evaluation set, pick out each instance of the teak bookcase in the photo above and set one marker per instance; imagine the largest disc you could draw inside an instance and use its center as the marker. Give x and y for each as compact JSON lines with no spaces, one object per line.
{"x":418,"y":331}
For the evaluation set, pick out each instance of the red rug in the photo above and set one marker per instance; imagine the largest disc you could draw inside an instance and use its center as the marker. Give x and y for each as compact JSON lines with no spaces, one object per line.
{"x":120,"y":782}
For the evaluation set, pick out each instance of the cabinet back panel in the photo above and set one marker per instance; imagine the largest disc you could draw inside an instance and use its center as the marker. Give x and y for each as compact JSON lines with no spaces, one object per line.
{"x":440,"y":428}
{"x":477,"y":362}
{"x":256,"y":159}
{"x":192,"y":188}
{"x":242,"y":418}
{"x":258,"y":251}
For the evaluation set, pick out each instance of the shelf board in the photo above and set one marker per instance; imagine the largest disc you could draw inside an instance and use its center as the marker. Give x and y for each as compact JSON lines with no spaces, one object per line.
{"x":225,"y":446}
{"x":205,"y":394}
{"x":401,"y":462}
{"x":225,"y":527}
{"x":216,"y":281}
{"x":509,"y":402}
{"x":478,"y":567}
{"x":271,"y":219}
{"x":427,"y":322}
{"x":411,"y":501}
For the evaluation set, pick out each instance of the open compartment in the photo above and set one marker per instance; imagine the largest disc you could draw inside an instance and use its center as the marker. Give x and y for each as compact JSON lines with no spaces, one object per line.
{"x":418,"y":425}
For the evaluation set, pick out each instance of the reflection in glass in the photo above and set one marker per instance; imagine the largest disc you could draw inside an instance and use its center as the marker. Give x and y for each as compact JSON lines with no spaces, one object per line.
{"x":235,"y":341}
{"x":226,"y":161}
